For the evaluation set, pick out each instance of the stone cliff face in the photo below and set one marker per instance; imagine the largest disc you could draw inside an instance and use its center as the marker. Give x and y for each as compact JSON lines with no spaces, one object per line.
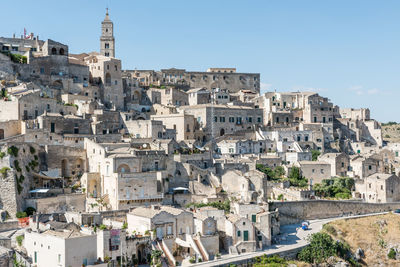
{"x":17,"y":164}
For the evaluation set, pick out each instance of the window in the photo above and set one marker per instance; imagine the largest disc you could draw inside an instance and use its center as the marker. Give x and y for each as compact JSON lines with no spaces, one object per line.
{"x":221,"y":119}
{"x":231,"y":119}
{"x":254,"y":218}
{"x":215,"y":119}
{"x":369,"y":167}
{"x":322,"y":170}
{"x":52,"y":127}
{"x":116,"y":82}
{"x":35,"y":256}
{"x":41,"y":70}
{"x":238,"y":233}
{"x":313,"y":170}
{"x":106,"y":45}
{"x":381,"y":187}
{"x":342,"y":164}
{"x":59,"y":258}
{"x":258,"y":119}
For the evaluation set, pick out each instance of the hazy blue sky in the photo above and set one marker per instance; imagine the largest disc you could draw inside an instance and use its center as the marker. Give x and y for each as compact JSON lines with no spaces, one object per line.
{"x":345,"y":50}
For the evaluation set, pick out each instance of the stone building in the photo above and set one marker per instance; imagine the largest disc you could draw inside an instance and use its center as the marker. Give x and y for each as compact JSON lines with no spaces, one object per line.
{"x":240,"y":234}
{"x":128,"y":176}
{"x":197,"y":96}
{"x":315,"y":171}
{"x":379,"y":188}
{"x":29,"y":103}
{"x":183,"y":124}
{"x":106,"y":72}
{"x":340,"y":163}
{"x":61,"y":248}
{"x":218,"y":120}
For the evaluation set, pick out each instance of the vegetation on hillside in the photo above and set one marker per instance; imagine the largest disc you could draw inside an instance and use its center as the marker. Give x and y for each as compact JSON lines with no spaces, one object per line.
{"x":273,"y":174}
{"x":335,"y":188}
{"x":226,"y":205}
{"x":390,"y":123}
{"x":323,"y":246}
{"x":296,"y":179}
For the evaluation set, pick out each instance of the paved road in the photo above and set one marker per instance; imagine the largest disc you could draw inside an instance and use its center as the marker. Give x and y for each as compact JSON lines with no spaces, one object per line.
{"x":293,"y":238}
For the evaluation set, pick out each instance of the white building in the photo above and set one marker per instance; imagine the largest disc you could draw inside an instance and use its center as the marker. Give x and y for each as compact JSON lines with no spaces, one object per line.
{"x":61,"y":248}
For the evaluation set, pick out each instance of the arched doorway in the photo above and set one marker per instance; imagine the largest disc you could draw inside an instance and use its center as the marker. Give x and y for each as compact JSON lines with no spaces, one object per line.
{"x":61,"y":51}
{"x":54,"y":51}
{"x":141,"y":254}
{"x":64,"y":168}
{"x":222,"y":132}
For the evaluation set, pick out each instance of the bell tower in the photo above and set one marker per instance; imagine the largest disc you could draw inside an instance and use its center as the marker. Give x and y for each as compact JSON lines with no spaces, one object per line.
{"x":107,"y":41}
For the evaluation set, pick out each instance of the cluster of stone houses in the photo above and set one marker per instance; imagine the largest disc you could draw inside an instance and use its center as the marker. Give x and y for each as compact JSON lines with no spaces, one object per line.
{"x":118,"y":163}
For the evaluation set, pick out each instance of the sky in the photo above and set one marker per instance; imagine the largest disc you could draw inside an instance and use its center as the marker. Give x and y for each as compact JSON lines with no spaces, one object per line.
{"x":345,"y":50}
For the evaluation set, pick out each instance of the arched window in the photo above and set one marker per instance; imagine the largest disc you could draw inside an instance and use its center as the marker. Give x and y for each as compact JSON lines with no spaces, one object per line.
{"x":61,"y":51}
{"x":123,"y":168}
{"x":222,"y":132}
{"x":108,"y":78}
{"x":54,"y":51}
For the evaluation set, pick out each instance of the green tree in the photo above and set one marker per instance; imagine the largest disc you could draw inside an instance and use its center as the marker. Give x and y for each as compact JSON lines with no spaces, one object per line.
{"x":279,"y":172}
{"x":315,"y":154}
{"x":321,"y":247}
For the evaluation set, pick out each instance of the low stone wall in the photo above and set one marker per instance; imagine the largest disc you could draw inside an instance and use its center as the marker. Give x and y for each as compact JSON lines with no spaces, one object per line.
{"x":8,"y":225}
{"x":297,"y":211}
{"x":60,"y":203}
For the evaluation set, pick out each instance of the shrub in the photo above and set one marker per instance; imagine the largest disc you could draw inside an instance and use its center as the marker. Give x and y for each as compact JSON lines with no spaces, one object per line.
{"x":16,"y":165}
{"x":315,"y":154}
{"x":125,"y":225}
{"x":19,"y":239}
{"x":2,"y":154}
{"x":103,"y":227}
{"x":392,"y":254}
{"x":21,"y":214}
{"x":13,"y":151}
{"x":270,"y":261}
{"x":32,"y":150}
{"x":27,"y":168}
{"x":192,"y":260}
{"x":280,"y":197}
{"x":226,"y":205}
{"x":321,"y":247}
{"x":4,"y":171}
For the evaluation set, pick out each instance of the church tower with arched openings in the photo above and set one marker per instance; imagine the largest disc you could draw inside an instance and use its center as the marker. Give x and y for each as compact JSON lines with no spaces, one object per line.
{"x":107,"y":41}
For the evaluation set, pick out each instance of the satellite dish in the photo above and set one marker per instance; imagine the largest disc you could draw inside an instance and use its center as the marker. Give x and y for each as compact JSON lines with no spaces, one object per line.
{"x":144,"y":145}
